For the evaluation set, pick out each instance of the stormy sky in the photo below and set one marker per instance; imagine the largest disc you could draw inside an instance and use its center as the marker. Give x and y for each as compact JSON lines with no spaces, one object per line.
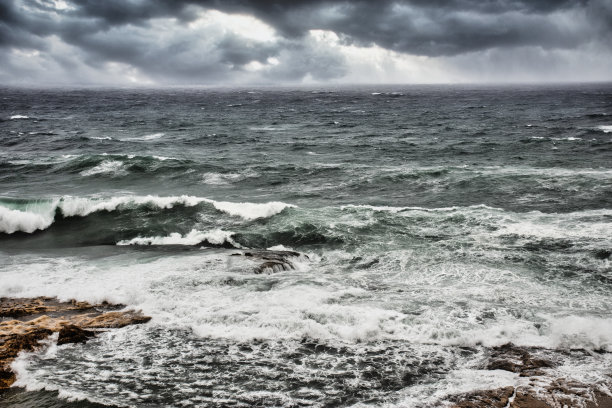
{"x":249,"y":42}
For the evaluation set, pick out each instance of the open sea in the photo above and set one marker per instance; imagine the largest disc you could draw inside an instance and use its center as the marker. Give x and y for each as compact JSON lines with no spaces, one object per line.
{"x":436,"y":222}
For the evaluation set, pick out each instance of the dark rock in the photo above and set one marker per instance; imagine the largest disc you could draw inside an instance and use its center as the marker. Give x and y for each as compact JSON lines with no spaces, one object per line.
{"x":73,"y":334}
{"x":497,"y":398}
{"x":517,"y":360}
{"x":69,"y":319}
{"x":273,"y":261}
{"x":602,"y":253}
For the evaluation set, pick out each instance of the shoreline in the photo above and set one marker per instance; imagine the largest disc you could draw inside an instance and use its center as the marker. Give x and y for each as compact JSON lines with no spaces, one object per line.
{"x":25,"y":322}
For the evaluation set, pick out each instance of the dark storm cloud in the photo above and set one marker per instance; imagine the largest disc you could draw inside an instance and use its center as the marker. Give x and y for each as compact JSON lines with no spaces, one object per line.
{"x":418,"y":26}
{"x":129,"y":32}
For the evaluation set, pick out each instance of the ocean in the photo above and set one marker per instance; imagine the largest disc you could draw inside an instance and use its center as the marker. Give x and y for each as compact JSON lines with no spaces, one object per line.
{"x":434,"y":223}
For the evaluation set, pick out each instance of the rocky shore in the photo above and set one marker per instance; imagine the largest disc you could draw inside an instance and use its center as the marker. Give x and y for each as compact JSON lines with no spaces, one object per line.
{"x":538,"y":390}
{"x":25,"y":322}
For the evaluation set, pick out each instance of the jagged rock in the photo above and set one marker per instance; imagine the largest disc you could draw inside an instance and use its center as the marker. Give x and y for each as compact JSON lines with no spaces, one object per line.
{"x":525,"y":399}
{"x":498,"y":398}
{"x":273,"y":266}
{"x":114,"y":320}
{"x":517,"y":360}
{"x":601,"y":400}
{"x":73,"y":334}
{"x":36,"y":319}
{"x":16,"y":307}
{"x":11,"y":344}
{"x":541,"y":391}
{"x":273,"y":261}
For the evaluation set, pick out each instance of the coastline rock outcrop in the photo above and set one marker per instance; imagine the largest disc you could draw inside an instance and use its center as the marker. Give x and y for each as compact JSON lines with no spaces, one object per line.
{"x":25,"y":322}
{"x":539,"y":390}
{"x":272,"y":261}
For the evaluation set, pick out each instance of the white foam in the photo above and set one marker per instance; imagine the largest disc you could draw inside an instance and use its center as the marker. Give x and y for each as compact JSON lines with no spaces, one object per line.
{"x":558,"y":226}
{"x":164,"y":158}
{"x":401,"y":209}
{"x":19,"y":117}
{"x":605,"y":128}
{"x":16,"y":220}
{"x":252,"y":211}
{"x":29,"y":380}
{"x":100,"y":138}
{"x":569,"y":138}
{"x":194,"y":237}
{"x":591,"y":333}
{"x":112,"y":167}
{"x":280,"y":248}
{"x":455,"y":382}
{"x":152,"y":136}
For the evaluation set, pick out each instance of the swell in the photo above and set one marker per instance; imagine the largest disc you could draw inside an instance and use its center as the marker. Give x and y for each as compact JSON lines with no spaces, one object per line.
{"x":102,"y":165}
{"x":548,"y":242}
{"x":95,"y":221}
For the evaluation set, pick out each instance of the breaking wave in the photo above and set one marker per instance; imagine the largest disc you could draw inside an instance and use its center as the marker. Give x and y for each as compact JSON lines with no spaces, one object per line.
{"x":31,"y":215}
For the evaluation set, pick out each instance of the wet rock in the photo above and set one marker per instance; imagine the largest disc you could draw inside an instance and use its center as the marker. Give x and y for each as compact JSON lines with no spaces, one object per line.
{"x":498,"y":398}
{"x":113,"y":320}
{"x":27,"y":321}
{"x":525,"y":399}
{"x":17,"y":307}
{"x":273,"y":261}
{"x":539,"y":390}
{"x":517,"y":360}
{"x":603,"y":253}
{"x":73,"y":334}
{"x":11,"y":344}
{"x":600,"y":400}
{"x":273,"y":266}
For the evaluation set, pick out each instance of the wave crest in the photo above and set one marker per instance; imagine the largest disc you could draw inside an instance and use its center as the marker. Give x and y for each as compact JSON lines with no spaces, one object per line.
{"x":216,"y":237}
{"x":21,"y":216}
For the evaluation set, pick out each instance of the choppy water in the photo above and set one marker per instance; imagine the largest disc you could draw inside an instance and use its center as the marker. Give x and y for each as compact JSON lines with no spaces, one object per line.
{"x":438,"y":221}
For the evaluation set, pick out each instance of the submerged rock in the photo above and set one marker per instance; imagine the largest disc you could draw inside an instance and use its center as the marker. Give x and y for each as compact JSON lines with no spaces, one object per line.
{"x":273,"y":261}
{"x":24,"y":322}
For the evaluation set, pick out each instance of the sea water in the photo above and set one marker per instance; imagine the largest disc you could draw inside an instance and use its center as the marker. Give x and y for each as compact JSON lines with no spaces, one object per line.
{"x":435,"y":222}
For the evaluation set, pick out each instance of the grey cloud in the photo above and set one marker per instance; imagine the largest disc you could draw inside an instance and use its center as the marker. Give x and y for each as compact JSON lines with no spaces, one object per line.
{"x":418,"y":26}
{"x":127,"y":31}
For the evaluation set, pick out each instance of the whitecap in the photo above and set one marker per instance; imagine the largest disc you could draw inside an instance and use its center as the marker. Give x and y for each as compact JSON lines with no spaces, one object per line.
{"x":112,"y":167}
{"x":42,"y":216}
{"x":100,"y":138}
{"x":194,"y":237}
{"x":82,"y":206}
{"x":15,"y":220}
{"x":605,"y":128}
{"x":215,"y":178}
{"x":251,"y":211}
{"x":220,"y":178}
{"x":19,"y":117}
{"x":152,"y":136}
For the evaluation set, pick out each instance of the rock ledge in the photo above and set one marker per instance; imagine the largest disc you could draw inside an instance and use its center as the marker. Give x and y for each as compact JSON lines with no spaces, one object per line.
{"x":24,"y":322}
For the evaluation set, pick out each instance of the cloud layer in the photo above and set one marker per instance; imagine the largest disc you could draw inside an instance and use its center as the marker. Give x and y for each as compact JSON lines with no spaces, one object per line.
{"x":214,"y":42}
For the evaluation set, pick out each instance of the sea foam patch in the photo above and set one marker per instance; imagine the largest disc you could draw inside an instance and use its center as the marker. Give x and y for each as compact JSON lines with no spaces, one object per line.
{"x":605,"y":128}
{"x":251,"y":211}
{"x":15,"y":220}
